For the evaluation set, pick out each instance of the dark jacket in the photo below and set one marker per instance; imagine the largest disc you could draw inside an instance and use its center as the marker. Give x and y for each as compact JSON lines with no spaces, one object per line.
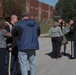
{"x":9,"y":40}
{"x":72,"y":33}
{"x":27,"y":32}
{"x":14,"y":38}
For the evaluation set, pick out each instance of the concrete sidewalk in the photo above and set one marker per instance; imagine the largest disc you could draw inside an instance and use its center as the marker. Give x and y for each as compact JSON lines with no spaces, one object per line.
{"x":48,"y":66}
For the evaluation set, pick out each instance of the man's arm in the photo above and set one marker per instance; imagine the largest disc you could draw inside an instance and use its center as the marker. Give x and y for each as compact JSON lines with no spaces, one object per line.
{"x":8,"y":35}
{"x":14,"y":31}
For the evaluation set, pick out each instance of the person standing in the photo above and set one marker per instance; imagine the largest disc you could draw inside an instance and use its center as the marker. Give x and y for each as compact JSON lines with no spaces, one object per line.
{"x":27,"y":31}
{"x":72,"y":34}
{"x":65,"y":30}
{"x":3,"y":34}
{"x":12,"y":43}
{"x":56,"y":34}
{"x":60,"y":20}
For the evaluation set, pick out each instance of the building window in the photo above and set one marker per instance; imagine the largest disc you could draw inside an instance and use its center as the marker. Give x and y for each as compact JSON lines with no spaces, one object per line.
{"x":46,"y":19}
{"x":32,"y":7}
{"x":43,"y":10}
{"x":0,"y":4}
{"x":32,"y":17}
{"x":36,"y":17}
{"x":36,"y":8}
{"x":51,"y":12}
{"x":46,"y":11}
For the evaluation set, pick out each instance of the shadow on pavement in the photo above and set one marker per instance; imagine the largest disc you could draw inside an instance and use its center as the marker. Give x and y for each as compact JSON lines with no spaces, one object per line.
{"x":66,"y":54}
{"x":49,"y":54}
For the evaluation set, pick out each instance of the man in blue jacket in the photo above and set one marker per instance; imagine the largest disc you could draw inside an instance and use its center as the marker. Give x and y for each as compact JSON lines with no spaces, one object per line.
{"x":27,"y":32}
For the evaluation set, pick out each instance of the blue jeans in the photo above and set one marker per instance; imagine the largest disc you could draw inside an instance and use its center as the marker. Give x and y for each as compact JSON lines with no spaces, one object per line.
{"x":23,"y":56}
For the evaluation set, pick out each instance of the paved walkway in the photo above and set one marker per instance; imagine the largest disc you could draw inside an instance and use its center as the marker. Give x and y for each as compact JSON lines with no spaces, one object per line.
{"x":48,"y":66}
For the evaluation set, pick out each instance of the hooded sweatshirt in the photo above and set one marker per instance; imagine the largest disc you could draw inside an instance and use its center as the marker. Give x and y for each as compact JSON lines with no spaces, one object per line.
{"x":27,"y":32}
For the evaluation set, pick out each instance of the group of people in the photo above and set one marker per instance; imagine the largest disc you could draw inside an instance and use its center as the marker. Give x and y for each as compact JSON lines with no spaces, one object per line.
{"x":20,"y":38}
{"x":60,"y":35}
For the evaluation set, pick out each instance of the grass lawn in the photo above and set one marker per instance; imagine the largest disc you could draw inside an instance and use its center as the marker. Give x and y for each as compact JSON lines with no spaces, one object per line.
{"x":44,"y":28}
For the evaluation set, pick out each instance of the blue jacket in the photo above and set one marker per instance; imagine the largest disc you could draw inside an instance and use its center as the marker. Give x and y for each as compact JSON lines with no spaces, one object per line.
{"x":27,"y":32}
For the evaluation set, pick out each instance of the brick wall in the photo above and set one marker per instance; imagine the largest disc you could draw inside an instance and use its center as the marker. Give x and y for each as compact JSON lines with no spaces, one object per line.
{"x":33,"y":8}
{"x":51,"y":13}
{"x":1,"y":7}
{"x":44,"y":11}
{"x":37,"y":10}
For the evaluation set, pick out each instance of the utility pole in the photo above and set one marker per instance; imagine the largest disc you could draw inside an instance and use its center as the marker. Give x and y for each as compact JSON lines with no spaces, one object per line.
{"x":1,"y":8}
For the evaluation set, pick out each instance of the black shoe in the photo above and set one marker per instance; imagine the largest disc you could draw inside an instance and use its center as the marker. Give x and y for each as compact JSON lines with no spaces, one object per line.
{"x":18,"y":74}
{"x":60,"y":55}
{"x":71,"y":57}
{"x":53,"y":57}
{"x":64,"y":54}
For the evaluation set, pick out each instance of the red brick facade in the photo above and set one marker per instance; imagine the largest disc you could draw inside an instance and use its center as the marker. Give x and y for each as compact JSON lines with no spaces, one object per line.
{"x":34,"y":9}
{"x":39,"y":10}
{"x":1,"y":8}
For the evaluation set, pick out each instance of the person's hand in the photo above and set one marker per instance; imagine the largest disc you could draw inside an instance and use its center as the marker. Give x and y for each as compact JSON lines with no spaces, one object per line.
{"x":10,"y":49}
{"x":68,"y":31}
{"x":8,"y":35}
{"x":7,"y":23}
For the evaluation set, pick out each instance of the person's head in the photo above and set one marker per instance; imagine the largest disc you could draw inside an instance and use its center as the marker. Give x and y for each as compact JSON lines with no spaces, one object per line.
{"x":63,"y":23}
{"x":55,"y":24}
{"x":2,"y":23}
{"x":60,"y":20}
{"x":25,"y":16}
{"x":71,"y":22}
{"x":14,"y":18}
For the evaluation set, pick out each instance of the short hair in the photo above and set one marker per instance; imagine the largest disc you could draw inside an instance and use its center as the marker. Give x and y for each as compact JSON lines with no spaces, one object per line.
{"x":25,"y":15}
{"x":56,"y":24}
{"x":2,"y":23}
{"x":13,"y":16}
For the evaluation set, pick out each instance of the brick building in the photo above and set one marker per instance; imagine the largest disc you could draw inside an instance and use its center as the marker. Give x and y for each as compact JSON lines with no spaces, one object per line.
{"x":1,"y":8}
{"x":39,"y":10}
{"x":34,"y":9}
{"x":44,"y":11}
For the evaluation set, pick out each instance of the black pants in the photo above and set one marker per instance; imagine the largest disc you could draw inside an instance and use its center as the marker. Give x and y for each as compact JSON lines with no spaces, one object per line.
{"x":56,"y":47}
{"x":2,"y":61}
{"x":14,"y":61}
